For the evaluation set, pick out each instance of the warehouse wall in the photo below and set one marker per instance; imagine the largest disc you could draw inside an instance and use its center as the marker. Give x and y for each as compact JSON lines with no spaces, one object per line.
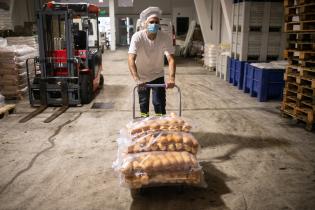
{"x":171,"y":9}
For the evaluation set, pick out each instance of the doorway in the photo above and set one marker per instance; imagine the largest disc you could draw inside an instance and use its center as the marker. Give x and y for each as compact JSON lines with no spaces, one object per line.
{"x":182,"y":24}
{"x":125,"y":30}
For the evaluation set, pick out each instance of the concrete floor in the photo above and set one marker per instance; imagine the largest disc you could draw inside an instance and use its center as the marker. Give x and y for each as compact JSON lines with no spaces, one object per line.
{"x":252,"y":158}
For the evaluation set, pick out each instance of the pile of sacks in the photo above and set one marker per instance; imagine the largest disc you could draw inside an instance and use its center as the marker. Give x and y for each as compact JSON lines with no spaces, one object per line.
{"x":23,"y":40}
{"x":13,"y":76}
{"x":158,"y":151}
{"x":210,"y":55}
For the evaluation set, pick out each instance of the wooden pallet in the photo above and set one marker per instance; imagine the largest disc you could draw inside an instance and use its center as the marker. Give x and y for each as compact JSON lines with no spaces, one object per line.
{"x":307,"y":72}
{"x":296,"y":63}
{"x":289,"y":99}
{"x":305,"y":102}
{"x":300,"y":9}
{"x":292,"y":3}
{"x":6,"y":110}
{"x":299,"y":115}
{"x":300,"y":17}
{"x":301,"y":46}
{"x":291,"y":86}
{"x":305,"y":26}
{"x":306,"y":82}
{"x":301,"y":37}
{"x":290,"y":77}
{"x":301,"y":55}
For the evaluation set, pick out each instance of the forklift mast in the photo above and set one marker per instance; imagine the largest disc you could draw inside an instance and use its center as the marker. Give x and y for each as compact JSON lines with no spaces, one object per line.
{"x":64,"y":52}
{"x":69,"y":68}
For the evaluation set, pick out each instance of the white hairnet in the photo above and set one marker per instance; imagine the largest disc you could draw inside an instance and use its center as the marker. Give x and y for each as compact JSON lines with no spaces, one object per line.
{"x":150,"y":12}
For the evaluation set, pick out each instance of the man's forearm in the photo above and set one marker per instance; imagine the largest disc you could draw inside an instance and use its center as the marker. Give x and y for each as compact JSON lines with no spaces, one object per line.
{"x":172,"y":68}
{"x":133,"y":69}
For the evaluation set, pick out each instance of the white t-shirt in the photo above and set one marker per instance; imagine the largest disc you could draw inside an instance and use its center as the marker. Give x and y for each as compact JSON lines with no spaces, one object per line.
{"x":150,"y":54}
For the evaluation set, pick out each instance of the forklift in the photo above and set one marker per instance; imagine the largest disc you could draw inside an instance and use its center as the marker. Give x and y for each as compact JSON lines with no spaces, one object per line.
{"x":68,"y":69}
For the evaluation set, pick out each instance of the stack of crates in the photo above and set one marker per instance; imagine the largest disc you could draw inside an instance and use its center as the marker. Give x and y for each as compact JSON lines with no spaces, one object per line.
{"x":256,"y":23}
{"x":299,"y":92}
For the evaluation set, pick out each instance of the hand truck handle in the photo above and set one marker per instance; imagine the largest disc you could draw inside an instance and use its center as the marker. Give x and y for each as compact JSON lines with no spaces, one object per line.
{"x":152,"y":86}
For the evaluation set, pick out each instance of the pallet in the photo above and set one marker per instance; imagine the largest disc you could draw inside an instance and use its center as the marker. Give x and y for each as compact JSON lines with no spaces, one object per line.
{"x":6,"y":110}
{"x":301,"y":55}
{"x":300,"y":9}
{"x":307,"y":72}
{"x":300,"y":17}
{"x":305,"y":26}
{"x":296,"y":63}
{"x":306,"y":82}
{"x":301,"y":37}
{"x":291,"y":86}
{"x":292,"y":3}
{"x":289,"y":97}
{"x":299,"y":115}
{"x":290,"y":77}
{"x":305,"y":102}
{"x":301,"y":46}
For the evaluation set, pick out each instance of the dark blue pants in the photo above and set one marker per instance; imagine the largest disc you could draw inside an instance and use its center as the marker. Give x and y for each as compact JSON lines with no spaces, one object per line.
{"x":158,"y":98}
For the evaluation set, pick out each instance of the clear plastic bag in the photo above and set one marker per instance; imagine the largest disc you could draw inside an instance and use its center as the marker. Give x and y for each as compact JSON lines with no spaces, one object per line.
{"x":153,"y":124}
{"x":160,"y":141}
{"x":2,"y":99}
{"x":158,"y":151}
{"x":147,"y":168}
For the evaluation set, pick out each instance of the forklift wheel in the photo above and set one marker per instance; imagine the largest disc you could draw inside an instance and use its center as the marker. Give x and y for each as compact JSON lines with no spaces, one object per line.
{"x":86,"y":88}
{"x":101,"y":85}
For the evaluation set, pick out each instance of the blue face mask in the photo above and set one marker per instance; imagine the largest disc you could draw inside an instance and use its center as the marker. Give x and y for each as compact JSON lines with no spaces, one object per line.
{"x":153,"y":28}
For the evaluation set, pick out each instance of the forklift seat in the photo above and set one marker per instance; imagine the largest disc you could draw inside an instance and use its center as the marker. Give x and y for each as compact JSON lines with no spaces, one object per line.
{"x":80,"y":40}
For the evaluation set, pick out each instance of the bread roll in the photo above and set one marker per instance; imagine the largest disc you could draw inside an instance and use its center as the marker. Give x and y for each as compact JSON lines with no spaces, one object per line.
{"x":177,"y":138}
{"x":163,"y":139}
{"x":179,"y":146}
{"x":154,"y":126}
{"x":157,"y":164}
{"x":187,"y":148}
{"x":161,"y":146}
{"x":154,"y":147}
{"x":171,"y":147}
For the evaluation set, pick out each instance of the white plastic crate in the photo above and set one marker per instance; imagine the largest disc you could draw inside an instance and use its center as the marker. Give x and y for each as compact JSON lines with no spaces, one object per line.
{"x":253,"y":21}
{"x":276,"y":14}
{"x":222,"y":64}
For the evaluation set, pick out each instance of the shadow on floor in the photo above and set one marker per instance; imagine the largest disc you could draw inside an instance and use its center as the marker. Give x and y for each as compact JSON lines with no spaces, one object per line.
{"x":239,"y":142}
{"x":171,"y":198}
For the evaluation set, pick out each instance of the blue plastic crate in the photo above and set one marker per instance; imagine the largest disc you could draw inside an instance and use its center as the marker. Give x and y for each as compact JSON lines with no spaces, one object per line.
{"x":267,"y":84}
{"x":239,"y":74}
{"x":232,"y":71}
{"x":248,"y":77}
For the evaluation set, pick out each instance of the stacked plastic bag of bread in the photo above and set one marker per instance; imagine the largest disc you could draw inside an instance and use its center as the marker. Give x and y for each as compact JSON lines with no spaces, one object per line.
{"x":160,"y":141}
{"x":158,"y":150}
{"x":141,"y":180}
{"x":159,"y":167}
{"x":153,"y":124}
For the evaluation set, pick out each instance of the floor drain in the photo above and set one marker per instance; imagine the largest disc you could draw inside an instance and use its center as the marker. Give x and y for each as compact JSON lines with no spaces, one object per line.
{"x":102,"y":105}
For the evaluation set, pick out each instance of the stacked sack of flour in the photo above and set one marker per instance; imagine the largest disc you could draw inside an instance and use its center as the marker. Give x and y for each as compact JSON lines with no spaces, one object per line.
{"x":24,"y":40}
{"x":13,"y":77}
{"x":158,"y":151}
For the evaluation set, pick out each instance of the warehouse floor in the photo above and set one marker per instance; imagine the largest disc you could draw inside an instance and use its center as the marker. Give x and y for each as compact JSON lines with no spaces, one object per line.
{"x":252,"y":158}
